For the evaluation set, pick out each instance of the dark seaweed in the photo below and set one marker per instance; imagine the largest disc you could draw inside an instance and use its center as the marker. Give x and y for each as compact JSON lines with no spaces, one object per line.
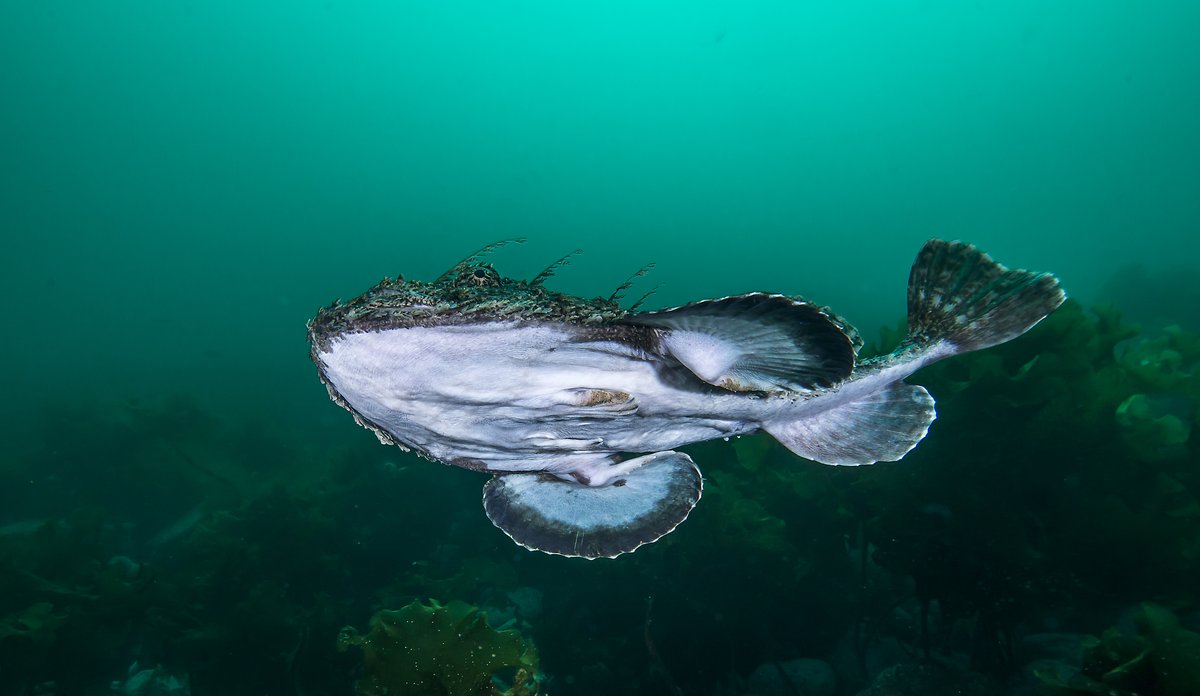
{"x":1056,"y":493}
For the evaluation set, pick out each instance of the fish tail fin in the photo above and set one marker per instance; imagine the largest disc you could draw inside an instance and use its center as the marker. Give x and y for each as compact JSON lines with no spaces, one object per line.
{"x":957,"y":295}
{"x":959,"y":300}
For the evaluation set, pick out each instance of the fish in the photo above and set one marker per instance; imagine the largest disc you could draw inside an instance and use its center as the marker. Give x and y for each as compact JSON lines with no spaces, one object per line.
{"x":577,"y":407}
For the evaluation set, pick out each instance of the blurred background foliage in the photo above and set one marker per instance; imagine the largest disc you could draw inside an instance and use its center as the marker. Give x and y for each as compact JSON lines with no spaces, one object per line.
{"x":1042,"y":539}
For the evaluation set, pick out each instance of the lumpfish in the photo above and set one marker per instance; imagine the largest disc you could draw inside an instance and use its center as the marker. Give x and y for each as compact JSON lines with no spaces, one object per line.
{"x":576,"y":407}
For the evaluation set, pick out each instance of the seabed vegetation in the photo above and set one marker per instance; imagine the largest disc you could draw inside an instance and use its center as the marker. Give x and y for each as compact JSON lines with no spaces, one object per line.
{"x":1044,"y":539}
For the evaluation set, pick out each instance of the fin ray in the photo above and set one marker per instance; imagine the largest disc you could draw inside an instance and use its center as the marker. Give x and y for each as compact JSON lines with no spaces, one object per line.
{"x":959,"y":294}
{"x":755,"y":342}
{"x":881,"y":426}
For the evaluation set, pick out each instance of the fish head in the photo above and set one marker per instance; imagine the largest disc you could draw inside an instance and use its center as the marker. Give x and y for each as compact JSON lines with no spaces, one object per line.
{"x":470,"y":292}
{"x":397,"y":316}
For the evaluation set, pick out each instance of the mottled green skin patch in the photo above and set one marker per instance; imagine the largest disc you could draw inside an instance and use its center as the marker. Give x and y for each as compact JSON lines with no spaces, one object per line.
{"x":470,"y":293}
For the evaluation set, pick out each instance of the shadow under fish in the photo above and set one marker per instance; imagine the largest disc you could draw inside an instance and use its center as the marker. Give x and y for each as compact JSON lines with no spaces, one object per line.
{"x":575,"y":406}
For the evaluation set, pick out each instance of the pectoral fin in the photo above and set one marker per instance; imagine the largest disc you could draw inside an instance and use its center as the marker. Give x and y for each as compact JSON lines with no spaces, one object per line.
{"x":639,"y":502}
{"x":879,"y":427}
{"x":756,"y":342}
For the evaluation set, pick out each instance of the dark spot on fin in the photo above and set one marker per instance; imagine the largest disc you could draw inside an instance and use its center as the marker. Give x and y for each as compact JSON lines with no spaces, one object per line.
{"x":957,"y":293}
{"x":546,"y":513}
{"x":880,"y":427}
{"x":755,"y":342}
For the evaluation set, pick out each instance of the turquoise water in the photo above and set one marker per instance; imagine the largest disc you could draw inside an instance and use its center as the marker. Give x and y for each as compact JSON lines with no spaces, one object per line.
{"x":183,"y":184}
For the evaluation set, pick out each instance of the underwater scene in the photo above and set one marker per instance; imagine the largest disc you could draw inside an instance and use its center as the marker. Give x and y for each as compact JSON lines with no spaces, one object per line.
{"x":523,"y":347}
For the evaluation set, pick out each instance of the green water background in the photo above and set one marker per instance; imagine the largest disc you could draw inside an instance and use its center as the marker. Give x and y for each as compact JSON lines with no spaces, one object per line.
{"x":183,"y":183}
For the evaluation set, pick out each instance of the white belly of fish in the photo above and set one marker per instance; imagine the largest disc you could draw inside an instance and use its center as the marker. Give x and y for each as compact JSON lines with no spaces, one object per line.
{"x":520,"y":397}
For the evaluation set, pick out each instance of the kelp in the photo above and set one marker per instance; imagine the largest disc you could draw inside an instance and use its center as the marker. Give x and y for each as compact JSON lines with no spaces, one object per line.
{"x":1160,"y":658}
{"x":1031,"y":494}
{"x":440,"y":650}
{"x":1058,"y":482}
{"x":36,"y":623}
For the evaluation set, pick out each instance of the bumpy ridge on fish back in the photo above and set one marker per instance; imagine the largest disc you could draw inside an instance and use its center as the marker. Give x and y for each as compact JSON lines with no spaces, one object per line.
{"x":460,"y":298}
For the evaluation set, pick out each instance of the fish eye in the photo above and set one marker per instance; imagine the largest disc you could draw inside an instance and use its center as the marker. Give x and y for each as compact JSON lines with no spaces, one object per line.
{"x":479,"y":275}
